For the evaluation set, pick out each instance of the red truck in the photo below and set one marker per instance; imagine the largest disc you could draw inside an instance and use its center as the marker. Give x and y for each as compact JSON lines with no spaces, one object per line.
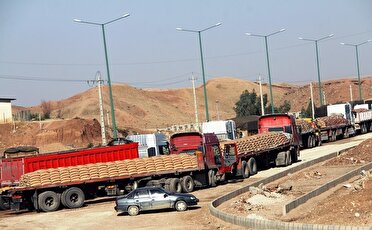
{"x":176,"y":172}
{"x":12,"y":169}
{"x":284,"y":123}
{"x":219,"y":162}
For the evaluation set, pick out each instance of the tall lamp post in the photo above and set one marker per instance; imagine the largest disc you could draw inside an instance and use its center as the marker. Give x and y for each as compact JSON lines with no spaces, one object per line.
{"x":202,"y":62}
{"x":357,"y":62}
{"x":102,"y":25}
{"x":317,"y":62}
{"x":268,"y":62}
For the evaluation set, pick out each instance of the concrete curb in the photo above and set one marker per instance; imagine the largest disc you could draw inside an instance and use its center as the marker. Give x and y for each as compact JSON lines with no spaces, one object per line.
{"x":269,"y":224}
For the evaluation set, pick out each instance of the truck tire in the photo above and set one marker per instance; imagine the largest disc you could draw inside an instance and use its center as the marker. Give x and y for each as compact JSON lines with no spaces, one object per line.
{"x":4,"y":203}
{"x":288,"y":158}
{"x":245,"y":170}
{"x":48,"y":201}
{"x":175,"y":185}
{"x":212,"y":180}
{"x":73,"y":198}
{"x":309,"y":142}
{"x":187,"y":184}
{"x":252,"y":166}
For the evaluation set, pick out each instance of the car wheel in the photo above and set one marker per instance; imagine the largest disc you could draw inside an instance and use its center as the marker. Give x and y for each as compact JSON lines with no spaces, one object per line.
{"x":180,"y":206}
{"x":133,"y":210}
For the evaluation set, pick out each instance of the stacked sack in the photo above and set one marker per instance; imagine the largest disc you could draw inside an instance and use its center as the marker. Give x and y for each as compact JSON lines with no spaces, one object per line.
{"x":109,"y":169}
{"x":305,"y":126}
{"x":261,"y":142}
{"x":324,"y":122}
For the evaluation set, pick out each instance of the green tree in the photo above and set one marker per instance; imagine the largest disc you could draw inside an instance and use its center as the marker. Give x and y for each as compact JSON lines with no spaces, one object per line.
{"x":249,"y":104}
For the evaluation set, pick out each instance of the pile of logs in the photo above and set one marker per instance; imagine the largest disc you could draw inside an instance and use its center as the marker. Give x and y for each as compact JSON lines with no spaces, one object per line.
{"x":109,"y":170}
{"x":261,"y":142}
{"x":324,"y":122}
{"x":305,"y":126}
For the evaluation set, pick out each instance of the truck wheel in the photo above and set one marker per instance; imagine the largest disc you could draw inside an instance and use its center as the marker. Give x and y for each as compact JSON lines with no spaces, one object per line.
{"x":245,"y":170}
{"x":252,"y":166}
{"x":180,"y":206}
{"x":212,"y":180}
{"x":187,"y":184}
{"x":288,"y":158}
{"x":49,"y":201}
{"x":73,"y":198}
{"x":309,"y":143}
{"x":133,"y":210}
{"x":175,"y":185}
{"x":4,"y":203}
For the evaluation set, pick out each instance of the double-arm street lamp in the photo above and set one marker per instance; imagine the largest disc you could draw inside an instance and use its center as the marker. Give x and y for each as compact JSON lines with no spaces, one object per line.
{"x":317,"y":61}
{"x":268,"y":62}
{"x":102,"y":25}
{"x":357,"y":62}
{"x":202,"y":62}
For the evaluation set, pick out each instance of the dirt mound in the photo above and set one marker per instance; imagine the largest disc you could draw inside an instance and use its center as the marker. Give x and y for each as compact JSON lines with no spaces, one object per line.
{"x":51,"y":135}
{"x":360,"y":154}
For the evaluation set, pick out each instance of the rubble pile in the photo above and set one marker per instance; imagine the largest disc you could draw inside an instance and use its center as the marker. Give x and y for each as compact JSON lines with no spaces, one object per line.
{"x":108,"y":170}
{"x":261,"y":142}
{"x":305,"y":126}
{"x":324,"y":122}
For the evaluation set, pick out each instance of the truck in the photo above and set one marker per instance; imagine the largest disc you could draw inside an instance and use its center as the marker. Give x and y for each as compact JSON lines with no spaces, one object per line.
{"x":339,"y":122}
{"x":13,"y":168}
{"x":288,"y":151}
{"x":48,"y":189}
{"x":310,"y":135}
{"x":150,"y":145}
{"x":220,"y":160}
{"x":224,"y":129}
{"x":363,"y":118}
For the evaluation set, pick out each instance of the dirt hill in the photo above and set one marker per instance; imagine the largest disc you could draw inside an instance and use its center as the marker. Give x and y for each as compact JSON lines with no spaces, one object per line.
{"x":145,"y":110}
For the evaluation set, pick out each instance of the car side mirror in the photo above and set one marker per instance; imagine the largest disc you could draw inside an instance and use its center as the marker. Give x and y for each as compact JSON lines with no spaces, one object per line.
{"x":165,"y":195}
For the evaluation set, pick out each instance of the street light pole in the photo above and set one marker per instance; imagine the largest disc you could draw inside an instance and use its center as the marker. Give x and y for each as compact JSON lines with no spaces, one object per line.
{"x":317,"y":61}
{"x":107,"y":66}
{"x":268,"y":63}
{"x":357,"y":63}
{"x":202,"y":63}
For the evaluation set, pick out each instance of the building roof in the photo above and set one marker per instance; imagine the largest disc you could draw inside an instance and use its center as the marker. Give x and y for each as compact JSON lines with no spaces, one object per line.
{"x":3,"y":99}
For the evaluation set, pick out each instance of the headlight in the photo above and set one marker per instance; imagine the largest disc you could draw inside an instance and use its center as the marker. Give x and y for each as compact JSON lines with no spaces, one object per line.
{"x":192,"y":198}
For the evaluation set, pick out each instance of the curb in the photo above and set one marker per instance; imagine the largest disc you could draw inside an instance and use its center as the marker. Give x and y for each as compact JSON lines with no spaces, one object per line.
{"x":270,"y":224}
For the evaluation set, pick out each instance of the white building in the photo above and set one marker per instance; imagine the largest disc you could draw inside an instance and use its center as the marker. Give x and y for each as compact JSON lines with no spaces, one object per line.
{"x":6,"y":110}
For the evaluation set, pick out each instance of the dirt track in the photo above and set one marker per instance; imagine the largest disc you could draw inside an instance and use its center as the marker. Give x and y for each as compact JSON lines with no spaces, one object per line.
{"x":102,"y":215}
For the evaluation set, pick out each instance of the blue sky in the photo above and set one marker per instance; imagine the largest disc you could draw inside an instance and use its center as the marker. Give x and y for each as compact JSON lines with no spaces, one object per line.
{"x":45,"y":55}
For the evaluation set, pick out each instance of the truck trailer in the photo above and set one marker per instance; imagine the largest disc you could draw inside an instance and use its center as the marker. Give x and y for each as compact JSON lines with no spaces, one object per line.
{"x":48,"y":189}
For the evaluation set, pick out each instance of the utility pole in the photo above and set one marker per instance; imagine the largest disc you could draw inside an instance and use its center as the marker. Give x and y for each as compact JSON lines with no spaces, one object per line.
{"x":351,"y":93}
{"x":217,"y":110}
{"x":193,"y":79}
{"x":99,"y":82}
{"x":261,"y":96}
{"x":312,"y":101}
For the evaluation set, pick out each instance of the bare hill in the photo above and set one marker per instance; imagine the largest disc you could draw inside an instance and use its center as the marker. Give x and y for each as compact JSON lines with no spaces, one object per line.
{"x":142,"y":109}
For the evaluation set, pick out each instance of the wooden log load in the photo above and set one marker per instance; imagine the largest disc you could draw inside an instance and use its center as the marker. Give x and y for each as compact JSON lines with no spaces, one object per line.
{"x":129,"y":167}
{"x":261,"y":142}
{"x":324,"y":122}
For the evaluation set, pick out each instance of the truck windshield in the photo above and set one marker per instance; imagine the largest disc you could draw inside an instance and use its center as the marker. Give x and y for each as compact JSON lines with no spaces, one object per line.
{"x":276,"y":129}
